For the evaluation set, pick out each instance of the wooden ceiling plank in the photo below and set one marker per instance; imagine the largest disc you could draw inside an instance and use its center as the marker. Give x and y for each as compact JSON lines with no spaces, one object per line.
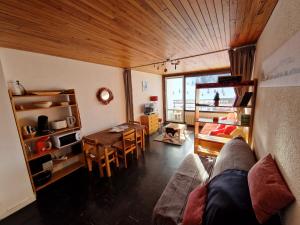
{"x":204,"y":10}
{"x":233,"y":5}
{"x":59,"y":35}
{"x":177,"y":4}
{"x":131,"y":41}
{"x":163,"y":31}
{"x":185,"y":31}
{"x":225,"y":7}
{"x":172,"y":23}
{"x":240,"y":17}
{"x":210,"y":4}
{"x":65,"y":28}
{"x":187,"y":10}
{"x":220,"y":17}
{"x":247,"y":24}
{"x":201,"y":21}
{"x":127,"y":33}
{"x":264,"y":11}
{"x":181,"y":20}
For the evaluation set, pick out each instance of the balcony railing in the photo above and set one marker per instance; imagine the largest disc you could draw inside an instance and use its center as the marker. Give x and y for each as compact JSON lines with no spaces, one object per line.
{"x":190,"y":103}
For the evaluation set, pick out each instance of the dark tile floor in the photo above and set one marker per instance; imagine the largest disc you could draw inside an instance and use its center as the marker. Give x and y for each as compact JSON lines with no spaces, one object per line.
{"x":127,"y":198}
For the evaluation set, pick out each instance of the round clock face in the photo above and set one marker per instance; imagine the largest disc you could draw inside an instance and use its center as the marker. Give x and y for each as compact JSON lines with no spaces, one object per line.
{"x":104,"y":95}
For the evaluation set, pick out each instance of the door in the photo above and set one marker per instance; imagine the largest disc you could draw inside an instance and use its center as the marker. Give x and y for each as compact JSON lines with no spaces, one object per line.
{"x":174,"y":99}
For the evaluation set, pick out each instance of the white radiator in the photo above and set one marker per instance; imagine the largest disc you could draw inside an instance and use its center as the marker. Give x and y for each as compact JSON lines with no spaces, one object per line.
{"x":189,"y":118}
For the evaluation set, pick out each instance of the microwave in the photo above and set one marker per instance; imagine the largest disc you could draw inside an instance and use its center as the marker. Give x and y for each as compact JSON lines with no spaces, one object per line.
{"x":65,"y":139}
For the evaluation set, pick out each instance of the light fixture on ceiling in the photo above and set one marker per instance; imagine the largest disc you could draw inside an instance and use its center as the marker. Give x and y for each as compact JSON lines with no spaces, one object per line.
{"x":175,"y":63}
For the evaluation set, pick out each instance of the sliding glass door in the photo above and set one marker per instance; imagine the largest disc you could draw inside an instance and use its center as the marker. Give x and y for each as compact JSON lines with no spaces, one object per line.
{"x":174,"y":99}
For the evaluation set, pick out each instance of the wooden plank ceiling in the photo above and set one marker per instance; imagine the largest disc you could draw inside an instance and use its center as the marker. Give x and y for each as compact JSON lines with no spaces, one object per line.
{"x":129,"y":33}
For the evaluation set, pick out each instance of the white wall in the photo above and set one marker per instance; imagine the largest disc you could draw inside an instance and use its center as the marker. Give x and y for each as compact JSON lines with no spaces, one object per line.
{"x":39,"y":71}
{"x":15,"y":187}
{"x":141,"y":97}
{"x":277,"y":114}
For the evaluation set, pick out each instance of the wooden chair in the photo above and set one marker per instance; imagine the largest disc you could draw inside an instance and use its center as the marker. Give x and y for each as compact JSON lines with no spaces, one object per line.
{"x":127,"y":145}
{"x":140,"y":134}
{"x":102,"y":156}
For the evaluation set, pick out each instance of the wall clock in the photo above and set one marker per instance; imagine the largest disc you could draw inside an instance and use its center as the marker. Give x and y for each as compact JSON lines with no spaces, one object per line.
{"x":104,"y":95}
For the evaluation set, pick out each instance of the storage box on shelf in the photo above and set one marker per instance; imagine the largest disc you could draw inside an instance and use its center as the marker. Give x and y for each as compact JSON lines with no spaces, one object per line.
{"x":56,"y":105}
{"x":209,"y":145}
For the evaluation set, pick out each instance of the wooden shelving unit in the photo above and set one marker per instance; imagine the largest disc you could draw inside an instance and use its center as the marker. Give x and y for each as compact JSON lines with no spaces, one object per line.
{"x":28,"y":116}
{"x":51,"y":107}
{"x":208,"y":145}
{"x":51,"y":134}
{"x":61,"y":173}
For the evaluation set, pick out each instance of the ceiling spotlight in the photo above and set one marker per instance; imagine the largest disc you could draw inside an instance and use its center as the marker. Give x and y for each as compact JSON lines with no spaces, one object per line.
{"x":176,"y":63}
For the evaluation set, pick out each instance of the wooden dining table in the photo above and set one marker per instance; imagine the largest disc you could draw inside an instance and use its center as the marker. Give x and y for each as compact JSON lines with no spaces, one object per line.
{"x":106,"y":138}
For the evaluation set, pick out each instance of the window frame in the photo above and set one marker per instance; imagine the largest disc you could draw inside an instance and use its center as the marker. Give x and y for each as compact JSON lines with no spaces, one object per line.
{"x":185,"y":75}
{"x":166,"y":98}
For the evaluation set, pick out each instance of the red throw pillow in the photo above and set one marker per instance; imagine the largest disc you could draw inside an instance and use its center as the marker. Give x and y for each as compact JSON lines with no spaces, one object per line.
{"x":229,"y":129}
{"x":195,"y":207}
{"x":269,"y":192}
{"x":221,"y":126}
{"x":216,"y":132}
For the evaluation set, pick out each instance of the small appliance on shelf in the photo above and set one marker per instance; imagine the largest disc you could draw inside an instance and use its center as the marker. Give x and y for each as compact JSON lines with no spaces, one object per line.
{"x":149,"y":108}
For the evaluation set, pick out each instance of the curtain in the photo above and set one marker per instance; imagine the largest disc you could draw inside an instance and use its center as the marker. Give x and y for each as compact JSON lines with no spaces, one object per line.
{"x":241,"y":64}
{"x":128,"y":94}
{"x":241,"y":61}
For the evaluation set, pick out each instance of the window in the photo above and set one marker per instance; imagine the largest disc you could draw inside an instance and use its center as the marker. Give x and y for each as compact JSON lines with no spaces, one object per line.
{"x":174,"y":99}
{"x":227,"y":95}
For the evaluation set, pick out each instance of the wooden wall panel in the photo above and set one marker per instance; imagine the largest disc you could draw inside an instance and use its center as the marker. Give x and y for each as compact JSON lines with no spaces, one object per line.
{"x":129,"y":33}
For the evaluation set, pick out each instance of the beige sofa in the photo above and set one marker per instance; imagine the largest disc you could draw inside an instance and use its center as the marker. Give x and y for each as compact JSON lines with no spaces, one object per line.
{"x":169,"y":209}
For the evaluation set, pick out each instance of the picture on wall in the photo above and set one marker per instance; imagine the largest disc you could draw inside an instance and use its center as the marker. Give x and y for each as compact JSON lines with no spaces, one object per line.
{"x":282,"y":68}
{"x":144,"y":85}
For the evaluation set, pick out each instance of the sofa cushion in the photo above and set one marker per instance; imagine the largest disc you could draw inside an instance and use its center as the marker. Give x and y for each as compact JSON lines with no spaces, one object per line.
{"x":235,"y":154}
{"x":228,"y":200}
{"x":195,"y":207}
{"x":170,"y":206}
{"x":229,"y":203}
{"x":268,"y":190}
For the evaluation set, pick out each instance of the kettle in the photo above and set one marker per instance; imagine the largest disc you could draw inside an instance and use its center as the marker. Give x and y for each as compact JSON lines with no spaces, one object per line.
{"x":16,"y":88}
{"x":43,"y":144}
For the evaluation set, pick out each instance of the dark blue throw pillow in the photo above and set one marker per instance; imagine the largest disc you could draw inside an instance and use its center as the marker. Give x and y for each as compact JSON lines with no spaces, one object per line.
{"x":229,"y":203}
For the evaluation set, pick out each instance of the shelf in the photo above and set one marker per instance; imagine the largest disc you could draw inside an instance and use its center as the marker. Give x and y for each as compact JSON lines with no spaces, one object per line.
{"x":206,"y":152}
{"x":215,"y":111}
{"x":45,"y":94}
{"x":69,"y":156}
{"x":212,"y":138}
{"x":57,"y":162}
{"x":38,"y":155}
{"x":51,"y":107}
{"x":61,"y":173}
{"x":224,"y":85}
{"x":51,"y":134}
{"x":226,"y":122}
{"x":222,"y":106}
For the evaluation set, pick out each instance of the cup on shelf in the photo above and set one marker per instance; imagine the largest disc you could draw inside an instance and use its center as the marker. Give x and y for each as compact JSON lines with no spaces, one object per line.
{"x":71,"y":121}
